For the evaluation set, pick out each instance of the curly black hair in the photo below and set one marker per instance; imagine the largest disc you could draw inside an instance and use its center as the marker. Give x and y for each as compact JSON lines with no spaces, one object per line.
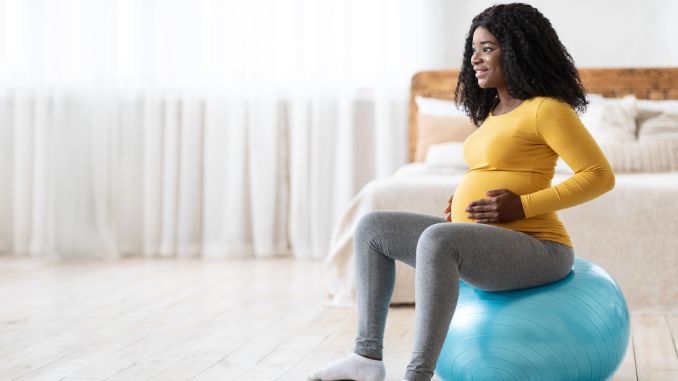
{"x":535,"y":61}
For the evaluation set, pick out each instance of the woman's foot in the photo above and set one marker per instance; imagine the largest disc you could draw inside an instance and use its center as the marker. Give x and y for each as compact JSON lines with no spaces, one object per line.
{"x":351,"y":367}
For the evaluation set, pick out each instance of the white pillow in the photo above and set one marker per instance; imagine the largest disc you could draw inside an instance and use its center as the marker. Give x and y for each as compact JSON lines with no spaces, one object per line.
{"x":645,"y":105}
{"x":648,"y":156}
{"x":611,"y":120}
{"x":663,"y":126}
{"x":446,"y":155}
{"x":438,"y":107}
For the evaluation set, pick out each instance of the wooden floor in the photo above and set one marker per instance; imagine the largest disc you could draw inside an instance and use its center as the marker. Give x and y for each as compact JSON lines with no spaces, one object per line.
{"x":168,"y":319}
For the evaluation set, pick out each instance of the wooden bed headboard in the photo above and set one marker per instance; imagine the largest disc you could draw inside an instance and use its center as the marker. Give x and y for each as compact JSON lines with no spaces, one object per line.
{"x":644,"y":83}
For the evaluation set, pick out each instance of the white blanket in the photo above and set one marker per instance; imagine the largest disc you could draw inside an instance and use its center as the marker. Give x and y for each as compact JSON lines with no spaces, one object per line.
{"x":631,"y":231}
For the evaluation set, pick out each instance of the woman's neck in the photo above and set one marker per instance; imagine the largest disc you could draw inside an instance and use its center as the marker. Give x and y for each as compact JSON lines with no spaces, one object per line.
{"x":506,"y":102}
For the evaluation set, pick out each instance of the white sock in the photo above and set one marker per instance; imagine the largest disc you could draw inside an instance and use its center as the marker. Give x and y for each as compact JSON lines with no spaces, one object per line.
{"x":352,"y":367}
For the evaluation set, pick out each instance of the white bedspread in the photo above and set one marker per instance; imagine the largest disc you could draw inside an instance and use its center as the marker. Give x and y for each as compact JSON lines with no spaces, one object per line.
{"x":631,"y":231}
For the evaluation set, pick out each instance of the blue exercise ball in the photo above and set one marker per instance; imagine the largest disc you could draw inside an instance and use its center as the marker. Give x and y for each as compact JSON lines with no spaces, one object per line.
{"x":574,"y":329}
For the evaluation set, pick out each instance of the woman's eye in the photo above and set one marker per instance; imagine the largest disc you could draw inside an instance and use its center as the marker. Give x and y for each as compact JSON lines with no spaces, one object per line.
{"x":484,"y":50}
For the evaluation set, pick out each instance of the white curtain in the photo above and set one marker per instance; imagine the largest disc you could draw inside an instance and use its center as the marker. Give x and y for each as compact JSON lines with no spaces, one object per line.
{"x":199,"y":127}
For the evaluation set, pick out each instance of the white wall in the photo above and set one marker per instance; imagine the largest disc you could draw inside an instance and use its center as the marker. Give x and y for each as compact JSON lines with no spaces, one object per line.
{"x":598,"y":33}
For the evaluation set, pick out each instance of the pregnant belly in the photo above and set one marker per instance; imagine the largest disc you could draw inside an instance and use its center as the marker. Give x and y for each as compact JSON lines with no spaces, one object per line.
{"x":475,"y":185}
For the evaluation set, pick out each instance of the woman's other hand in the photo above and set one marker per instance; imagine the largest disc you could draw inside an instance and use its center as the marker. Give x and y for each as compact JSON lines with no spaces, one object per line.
{"x":503,"y":206}
{"x":448,"y":210}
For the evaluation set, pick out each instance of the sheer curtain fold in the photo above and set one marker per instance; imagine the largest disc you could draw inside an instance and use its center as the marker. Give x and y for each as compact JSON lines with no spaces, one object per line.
{"x":198,"y":128}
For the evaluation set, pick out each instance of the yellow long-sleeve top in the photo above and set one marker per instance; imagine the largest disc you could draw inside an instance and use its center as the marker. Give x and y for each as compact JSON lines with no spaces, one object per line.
{"x":518,"y":151}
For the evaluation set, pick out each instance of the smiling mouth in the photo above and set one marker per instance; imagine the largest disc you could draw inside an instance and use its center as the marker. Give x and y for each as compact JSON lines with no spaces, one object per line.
{"x":480,"y":73}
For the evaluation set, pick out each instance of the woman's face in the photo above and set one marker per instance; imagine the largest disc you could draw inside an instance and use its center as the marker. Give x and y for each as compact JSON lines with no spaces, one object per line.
{"x":486,"y":60}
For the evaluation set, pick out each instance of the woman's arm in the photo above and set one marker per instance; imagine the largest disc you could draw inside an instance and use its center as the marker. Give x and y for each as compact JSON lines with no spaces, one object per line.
{"x":560,"y":128}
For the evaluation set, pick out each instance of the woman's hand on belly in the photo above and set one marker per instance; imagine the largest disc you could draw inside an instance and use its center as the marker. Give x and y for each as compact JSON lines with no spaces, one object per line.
{"x":502,"y":206}
{"x":448,"y":210}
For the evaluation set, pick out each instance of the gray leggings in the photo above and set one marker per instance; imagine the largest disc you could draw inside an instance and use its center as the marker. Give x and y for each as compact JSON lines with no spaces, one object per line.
{"x":485,"y":256}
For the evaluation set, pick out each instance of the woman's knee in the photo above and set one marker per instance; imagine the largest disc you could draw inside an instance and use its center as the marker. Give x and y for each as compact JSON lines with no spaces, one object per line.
{"x":438,"y":240}
{"x":371,"y":222}
{"x":371,"y":226}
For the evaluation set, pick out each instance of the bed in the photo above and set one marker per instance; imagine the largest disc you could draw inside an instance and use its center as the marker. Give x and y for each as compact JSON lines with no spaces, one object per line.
{"x":631,"y":231}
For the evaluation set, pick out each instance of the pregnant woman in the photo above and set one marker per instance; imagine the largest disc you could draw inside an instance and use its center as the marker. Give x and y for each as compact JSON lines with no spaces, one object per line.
{"x":519,"y":84}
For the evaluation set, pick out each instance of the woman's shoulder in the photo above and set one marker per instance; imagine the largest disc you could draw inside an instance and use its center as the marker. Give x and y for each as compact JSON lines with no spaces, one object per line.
{"x":550,"y":102}
{"x":550,"y":106}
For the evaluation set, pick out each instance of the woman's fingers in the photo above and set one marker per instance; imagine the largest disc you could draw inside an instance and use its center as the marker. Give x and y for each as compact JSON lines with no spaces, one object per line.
{"x":479,"y":203}
{"x":448,"y":210}
{"x":485,"y":218}
{"x":503,"y":206}
{"x":488,"y":207}
{"x":483,"y":211}
{"x":484,"y":215}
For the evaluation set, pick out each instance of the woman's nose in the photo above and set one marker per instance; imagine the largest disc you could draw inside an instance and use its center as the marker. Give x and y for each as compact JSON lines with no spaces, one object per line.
{"x":475,"y":58}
